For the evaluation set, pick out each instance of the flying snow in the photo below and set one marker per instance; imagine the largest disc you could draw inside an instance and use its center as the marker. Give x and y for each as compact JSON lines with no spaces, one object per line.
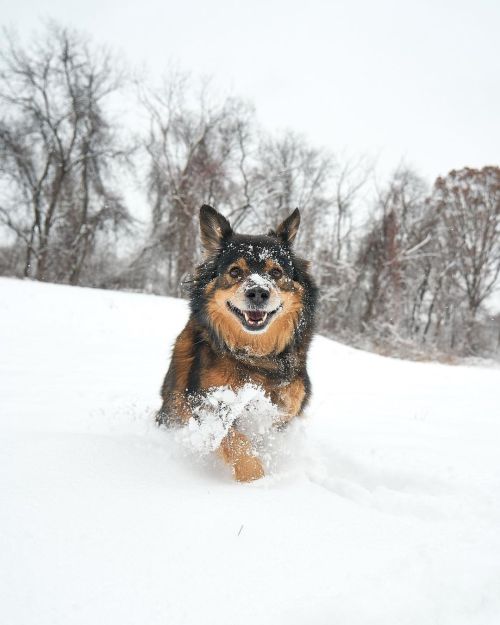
{"x":255,"y":416}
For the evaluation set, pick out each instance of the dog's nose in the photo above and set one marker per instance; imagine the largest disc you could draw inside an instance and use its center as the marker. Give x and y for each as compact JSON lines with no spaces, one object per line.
{"x":257,"y":295}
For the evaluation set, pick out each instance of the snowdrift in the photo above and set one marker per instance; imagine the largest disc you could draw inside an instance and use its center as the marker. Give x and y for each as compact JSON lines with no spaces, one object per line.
{"x":382,"y":506}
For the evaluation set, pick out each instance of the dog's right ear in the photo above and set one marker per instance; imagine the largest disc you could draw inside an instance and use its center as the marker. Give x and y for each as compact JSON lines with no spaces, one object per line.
{"x":214,"y":229}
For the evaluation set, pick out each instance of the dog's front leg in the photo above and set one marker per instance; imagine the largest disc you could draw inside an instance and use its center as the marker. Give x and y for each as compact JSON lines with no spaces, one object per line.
{"x":236,"y":450}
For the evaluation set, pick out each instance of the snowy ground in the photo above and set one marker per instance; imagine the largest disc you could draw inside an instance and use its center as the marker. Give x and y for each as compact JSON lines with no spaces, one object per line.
{"x":383,"y":506}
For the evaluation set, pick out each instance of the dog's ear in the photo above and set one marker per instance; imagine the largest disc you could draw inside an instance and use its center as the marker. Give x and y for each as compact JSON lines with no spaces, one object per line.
{"x":287,"y":230}
{"x":214,"y":229}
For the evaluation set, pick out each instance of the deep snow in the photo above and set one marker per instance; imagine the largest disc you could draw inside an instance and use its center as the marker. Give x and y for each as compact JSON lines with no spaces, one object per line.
{"x":382,"y":507}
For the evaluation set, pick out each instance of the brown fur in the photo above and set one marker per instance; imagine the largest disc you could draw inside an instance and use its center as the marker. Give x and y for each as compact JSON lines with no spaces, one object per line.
{"x":217,"y":370}
{"x":270,"y":264}
{"x":175,"y":383}
{"x":236,"y":450}
{"x":276,"y":337}
{"x":290,"y":398}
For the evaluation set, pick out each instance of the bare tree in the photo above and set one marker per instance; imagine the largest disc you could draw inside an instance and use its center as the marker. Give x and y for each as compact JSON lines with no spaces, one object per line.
{"x":195,"y":149}
{"x":468,"y":203}
{"x":58,"y":151}
{"x":427,"y":263}
{"x":388,"y":261}
{"x":289,"y":172}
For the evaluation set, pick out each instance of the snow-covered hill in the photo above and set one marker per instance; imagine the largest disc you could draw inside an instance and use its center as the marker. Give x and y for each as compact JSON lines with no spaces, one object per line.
{"x":383,"y":506}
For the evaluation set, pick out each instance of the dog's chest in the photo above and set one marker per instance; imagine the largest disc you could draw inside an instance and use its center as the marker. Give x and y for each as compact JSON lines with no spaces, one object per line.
{"x":286,"y":391}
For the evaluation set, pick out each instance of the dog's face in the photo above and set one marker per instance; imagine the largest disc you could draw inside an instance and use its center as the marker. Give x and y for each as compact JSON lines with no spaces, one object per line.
{"x":252,"y":293}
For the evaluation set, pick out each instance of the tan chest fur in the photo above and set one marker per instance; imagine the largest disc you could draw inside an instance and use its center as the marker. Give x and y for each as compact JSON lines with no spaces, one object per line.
{"x":225,"y":371}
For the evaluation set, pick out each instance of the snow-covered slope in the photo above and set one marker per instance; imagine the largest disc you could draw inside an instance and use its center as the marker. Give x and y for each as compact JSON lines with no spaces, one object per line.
{"x":383,"y":507}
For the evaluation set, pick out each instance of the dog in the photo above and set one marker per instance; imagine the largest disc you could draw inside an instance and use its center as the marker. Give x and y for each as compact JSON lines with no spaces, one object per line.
{"x":252,"y":307}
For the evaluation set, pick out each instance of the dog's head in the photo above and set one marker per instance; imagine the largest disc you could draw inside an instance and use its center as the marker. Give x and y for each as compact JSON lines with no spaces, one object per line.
{"x":251,"y":292}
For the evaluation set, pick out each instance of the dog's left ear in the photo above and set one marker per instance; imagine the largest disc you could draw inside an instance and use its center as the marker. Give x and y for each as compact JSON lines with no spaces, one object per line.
{"x":287,"y":231}
{"x":214,"y":229}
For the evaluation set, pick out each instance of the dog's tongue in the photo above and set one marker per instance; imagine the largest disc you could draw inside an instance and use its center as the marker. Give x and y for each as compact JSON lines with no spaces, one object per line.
{"x":255,"y":315}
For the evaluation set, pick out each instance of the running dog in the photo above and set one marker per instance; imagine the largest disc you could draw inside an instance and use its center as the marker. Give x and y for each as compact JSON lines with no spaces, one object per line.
{"x":252,"y":312}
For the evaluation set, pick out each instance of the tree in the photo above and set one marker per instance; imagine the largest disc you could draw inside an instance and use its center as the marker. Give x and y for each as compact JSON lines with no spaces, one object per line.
{"x":392,"y":264}
{"x":59,"y":150}
{"x":289,"y":173}
{"x":468,"y":204}
{"x":195,"y":148}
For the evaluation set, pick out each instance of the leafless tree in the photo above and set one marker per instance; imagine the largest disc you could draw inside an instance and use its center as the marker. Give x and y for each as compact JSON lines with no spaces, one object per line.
{"x":58,"y":151}
{"x":427,"y":263}
{"x":468,"y":203}
{"x":194,"y":148}
{"x":388,"y":259}
{"x":289,"y":172}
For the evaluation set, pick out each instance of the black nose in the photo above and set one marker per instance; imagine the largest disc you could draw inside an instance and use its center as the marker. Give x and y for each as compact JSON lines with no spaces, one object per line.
{"x":257,"y":295}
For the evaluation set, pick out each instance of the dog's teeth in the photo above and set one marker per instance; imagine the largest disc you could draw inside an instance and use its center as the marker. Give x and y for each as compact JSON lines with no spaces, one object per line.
{"x":255,"y":322}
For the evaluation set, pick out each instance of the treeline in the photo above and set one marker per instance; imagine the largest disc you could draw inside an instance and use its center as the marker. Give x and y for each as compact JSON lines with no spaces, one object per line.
{"x":403,"y":268}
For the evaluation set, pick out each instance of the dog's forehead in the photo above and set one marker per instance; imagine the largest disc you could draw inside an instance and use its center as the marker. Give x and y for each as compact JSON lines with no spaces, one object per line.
{"x":256,"y":250}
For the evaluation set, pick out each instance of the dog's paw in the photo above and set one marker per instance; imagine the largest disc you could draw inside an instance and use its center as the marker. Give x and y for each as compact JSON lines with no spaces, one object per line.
{"x":248,"y":469}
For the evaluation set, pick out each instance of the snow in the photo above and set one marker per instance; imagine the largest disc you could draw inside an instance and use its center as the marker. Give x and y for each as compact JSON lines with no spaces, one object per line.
{"x":381,"y":507}
{"x":217,"y":412}
{"x":257,"y":279}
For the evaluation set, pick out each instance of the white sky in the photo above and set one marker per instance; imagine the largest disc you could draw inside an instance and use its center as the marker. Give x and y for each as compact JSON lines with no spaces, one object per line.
{"x":415,"y":81}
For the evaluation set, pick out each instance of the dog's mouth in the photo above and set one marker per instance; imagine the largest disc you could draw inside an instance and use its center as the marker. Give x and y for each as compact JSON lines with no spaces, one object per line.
{"x":253,"y":319}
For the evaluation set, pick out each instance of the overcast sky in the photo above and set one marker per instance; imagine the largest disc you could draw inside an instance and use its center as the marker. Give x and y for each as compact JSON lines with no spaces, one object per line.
{"x":416,"y":81}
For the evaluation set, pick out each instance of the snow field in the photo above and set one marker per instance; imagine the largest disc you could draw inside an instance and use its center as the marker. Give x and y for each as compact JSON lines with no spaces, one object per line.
{"x":381,"y":507}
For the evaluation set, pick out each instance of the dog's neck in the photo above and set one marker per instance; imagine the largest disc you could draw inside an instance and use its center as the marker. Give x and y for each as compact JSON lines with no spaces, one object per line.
{"x":283,"y":365}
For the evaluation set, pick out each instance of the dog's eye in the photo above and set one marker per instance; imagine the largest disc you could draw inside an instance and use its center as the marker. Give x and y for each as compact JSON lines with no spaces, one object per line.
{"x":275,"y":273}
{"x":235,"y":272}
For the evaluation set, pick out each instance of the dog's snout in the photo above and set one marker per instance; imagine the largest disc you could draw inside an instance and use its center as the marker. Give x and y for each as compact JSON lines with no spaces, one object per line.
{"x":257,"y":295}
